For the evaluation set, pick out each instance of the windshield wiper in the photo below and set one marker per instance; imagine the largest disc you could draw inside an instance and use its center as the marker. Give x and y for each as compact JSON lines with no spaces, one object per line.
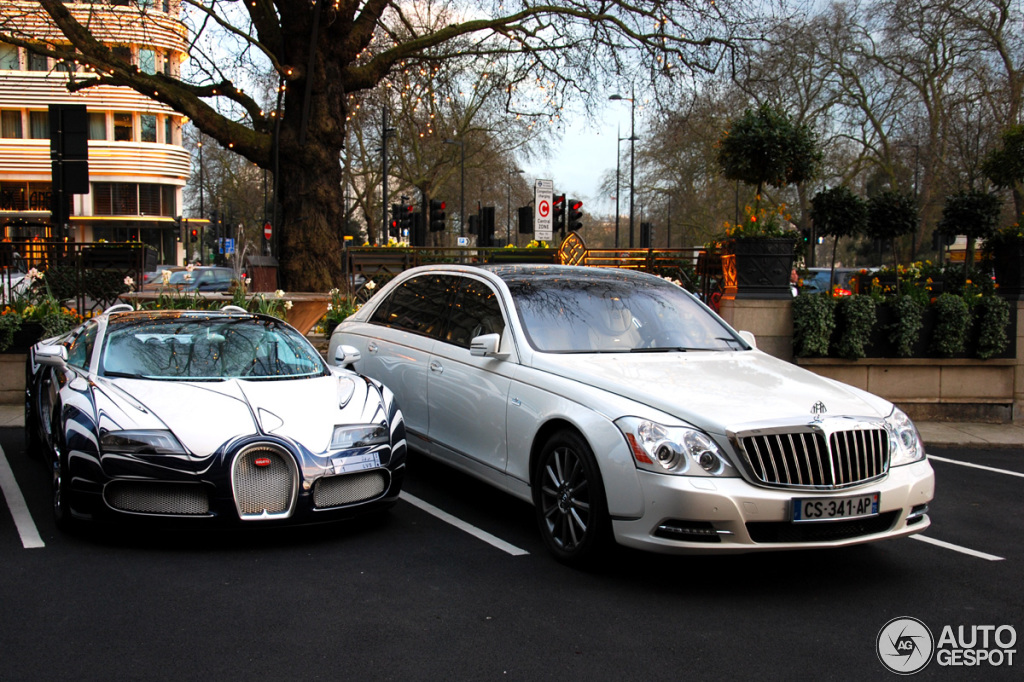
{"x":664,"y":349}
{"x":122,"y":375}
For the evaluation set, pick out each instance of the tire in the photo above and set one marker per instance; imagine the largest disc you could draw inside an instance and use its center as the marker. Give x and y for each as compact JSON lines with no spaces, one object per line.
{"x":61,"y":498}
{"x":569,"y":499}
{"x":33,"y":443}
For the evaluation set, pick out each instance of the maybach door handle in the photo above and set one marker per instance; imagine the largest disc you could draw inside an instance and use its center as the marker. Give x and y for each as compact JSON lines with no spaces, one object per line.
{"x":436,"y":366}
{"x":371,"y":347}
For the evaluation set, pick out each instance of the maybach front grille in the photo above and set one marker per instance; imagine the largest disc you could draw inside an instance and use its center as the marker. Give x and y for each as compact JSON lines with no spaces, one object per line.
{"x":176,"y":499}
{"x":264,"y":480}
{"x":805,"y":459}
{"x":337,"y":491}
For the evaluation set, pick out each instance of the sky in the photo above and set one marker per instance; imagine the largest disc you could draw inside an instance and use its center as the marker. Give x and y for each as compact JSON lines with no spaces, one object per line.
{"x":584,"y":153}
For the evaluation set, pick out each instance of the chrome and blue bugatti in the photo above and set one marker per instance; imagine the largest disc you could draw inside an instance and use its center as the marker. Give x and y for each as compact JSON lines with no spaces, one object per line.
{"x":205,"y":418}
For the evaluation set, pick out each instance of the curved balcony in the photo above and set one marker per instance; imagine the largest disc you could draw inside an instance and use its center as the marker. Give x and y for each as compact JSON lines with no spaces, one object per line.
{"x":108,"y":161}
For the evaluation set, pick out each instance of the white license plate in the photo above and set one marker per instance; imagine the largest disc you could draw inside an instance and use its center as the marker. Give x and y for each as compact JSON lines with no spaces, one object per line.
{"x":346,"y":465}
{"x":832,"y":508}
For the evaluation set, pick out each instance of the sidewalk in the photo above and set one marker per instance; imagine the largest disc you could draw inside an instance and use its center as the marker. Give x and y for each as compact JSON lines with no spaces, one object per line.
{"x":935,"y":434}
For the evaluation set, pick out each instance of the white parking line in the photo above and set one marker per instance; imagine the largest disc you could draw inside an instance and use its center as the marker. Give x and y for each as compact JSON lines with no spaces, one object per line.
{"x":462,"y":525}
{"x":977,"y":466}
{"x":16,"y":503}
{"x":958,"y":548}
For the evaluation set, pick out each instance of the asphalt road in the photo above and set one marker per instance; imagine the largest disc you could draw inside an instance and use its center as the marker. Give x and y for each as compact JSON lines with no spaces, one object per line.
{"x":474,"y":596}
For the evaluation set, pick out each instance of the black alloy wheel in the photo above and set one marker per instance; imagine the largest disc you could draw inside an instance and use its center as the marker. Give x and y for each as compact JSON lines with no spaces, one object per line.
{"x":569,"y":499}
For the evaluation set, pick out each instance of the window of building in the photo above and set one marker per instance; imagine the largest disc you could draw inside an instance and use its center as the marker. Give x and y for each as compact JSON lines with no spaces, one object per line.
{"x":38,"y":62}
{"x":166,"y":59}
{"x":10,"y":124}
{"x":126,"y":198}
{"x":168,"y":130}
{"x":123,"y":129}
{"x":147,"y":127}
{"x":39,"y":125}
{"x":97,"y":125}
{"x":122,"y":52}
{"x":9,"y":57}
{"x":147,"y":60}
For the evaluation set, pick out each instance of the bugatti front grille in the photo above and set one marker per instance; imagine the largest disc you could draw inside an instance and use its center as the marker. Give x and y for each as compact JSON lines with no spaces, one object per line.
{"x":264,"y":480}
{"x":175,"y":499}
{"x":806,"y":459}
{"x":337,"y":491}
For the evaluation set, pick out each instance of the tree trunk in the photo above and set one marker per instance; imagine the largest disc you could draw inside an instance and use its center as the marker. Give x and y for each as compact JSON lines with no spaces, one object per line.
{"x":314,"y":208}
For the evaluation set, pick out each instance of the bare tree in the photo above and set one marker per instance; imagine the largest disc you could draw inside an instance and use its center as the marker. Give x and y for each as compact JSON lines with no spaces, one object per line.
{"x":323,"y":52}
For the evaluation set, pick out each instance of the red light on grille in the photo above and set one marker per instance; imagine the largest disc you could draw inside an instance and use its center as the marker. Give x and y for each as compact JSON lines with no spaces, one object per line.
{"x":262,"y":461}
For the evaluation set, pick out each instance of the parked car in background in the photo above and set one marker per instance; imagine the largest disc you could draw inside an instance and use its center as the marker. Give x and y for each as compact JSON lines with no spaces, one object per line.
{"x":623,"y":408}
{"x":207,"y":417}
{"x":202,"y":278}
{"x":817,"y":280}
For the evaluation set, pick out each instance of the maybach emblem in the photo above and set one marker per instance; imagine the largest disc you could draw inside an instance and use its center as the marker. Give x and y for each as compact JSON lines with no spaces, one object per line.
{"x":817,"y":410}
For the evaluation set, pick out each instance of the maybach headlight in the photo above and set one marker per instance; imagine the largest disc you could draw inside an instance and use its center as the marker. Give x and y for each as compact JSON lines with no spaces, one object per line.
{"x":673,"y":449}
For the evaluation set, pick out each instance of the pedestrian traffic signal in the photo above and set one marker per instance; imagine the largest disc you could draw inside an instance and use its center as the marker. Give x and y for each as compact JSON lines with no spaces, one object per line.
{"x":574,"y":215}
{"x":437,"y":215}
{"x":558,"y":213}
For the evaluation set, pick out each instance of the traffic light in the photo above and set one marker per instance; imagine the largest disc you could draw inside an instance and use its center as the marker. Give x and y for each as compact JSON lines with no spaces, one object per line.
{"x":646,"y":235}
{"x":486,"y":227}
{"x":395,"y":226}
{"x":574,"y":215}
{"x":178,"y":234}
{"x":194,"y":234}
{"x":405,"y":220}
{"x":525,"y":219}
{"x":558,"y":213}
{"x":437,"y":215}
{"x":805,"y":236}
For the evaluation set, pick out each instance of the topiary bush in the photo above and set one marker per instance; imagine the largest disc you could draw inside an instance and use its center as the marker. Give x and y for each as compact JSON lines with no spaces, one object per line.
{"x":906,"y":329}
{"x":952,"y":326}
{"x":855,"y":316}
{"x":991,"y":319}
{"x":813,"y":323}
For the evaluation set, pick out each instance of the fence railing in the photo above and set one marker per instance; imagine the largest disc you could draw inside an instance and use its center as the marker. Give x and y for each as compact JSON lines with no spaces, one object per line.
{"x":91,"y":275}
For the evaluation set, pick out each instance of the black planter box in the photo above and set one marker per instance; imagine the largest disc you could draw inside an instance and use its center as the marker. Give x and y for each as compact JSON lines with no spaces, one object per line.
{"x":763,"y":266}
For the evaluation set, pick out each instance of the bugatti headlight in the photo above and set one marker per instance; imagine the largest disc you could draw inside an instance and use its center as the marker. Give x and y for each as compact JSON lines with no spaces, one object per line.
{"x":905,"y":445}
{"x":141,"y":442}
{"x":351,"y":436}
{"x":673,"y":449}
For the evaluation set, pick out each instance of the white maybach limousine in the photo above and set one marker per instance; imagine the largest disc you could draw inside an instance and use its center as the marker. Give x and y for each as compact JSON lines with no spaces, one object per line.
{"x":623,"y":408}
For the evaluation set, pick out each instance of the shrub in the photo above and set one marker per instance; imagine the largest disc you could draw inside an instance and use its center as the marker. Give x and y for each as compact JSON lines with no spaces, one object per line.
{"x":855,"y":316}
{"x":952,"y":324}
{"x":906,"y":329}
{"x":813,"y":324}
{"x":991,"y":318}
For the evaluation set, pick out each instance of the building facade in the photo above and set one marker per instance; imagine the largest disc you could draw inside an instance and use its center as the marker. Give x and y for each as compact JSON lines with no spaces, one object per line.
{"x":137,"y":164}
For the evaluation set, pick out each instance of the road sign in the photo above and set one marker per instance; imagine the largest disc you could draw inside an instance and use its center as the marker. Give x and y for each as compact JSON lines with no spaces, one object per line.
{"x":267,"y":230}
{"x":542,"y":191}
{"x":463,"y":241}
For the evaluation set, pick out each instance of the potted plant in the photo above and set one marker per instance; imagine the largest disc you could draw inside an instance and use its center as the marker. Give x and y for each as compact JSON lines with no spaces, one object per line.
{"x":763,"y":249}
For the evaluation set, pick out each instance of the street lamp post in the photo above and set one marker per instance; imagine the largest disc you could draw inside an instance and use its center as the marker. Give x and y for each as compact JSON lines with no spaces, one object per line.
{"x":632,"y":154}
{"x":508,"y":218}
{"x":462,"y":184}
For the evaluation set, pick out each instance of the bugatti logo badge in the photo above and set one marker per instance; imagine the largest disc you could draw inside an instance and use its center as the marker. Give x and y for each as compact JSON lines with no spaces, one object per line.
{"x":817,"y":410}
{"x":262,"y":461}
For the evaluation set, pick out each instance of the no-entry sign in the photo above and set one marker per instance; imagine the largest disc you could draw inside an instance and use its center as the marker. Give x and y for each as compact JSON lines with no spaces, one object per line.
{"x":267,"y":230}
